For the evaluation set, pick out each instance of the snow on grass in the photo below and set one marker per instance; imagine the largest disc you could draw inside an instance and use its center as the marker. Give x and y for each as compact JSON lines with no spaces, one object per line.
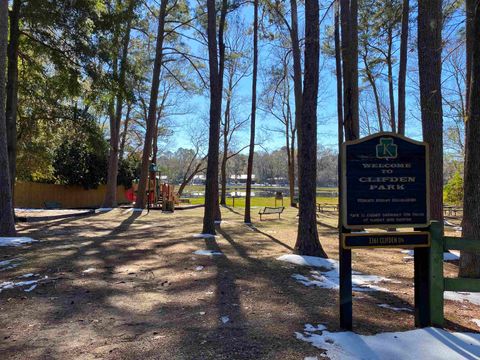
{"x":15,"y":241}
{"x":199,"y":268}
{"x":31,"y":288}
{"x":427,"y":343}
{"x":225,"y":319}
{"x":208,"y":252}
{"x":9,"y":264}
{"x":390,"y":307}
{"x":450,"y":256}
{"x":70,"y":211}
{"x":447,"y":256}
{"x":21,"y":284}
{"x":473,"y":298}
{"x":28,"y":275}
{"x":103,"y":210}
{"x":328,"y":278}
{"x":308,"y":261}
{"x":204,"y":236}
{"x":455,"y":227}
{"x":89,"y":270}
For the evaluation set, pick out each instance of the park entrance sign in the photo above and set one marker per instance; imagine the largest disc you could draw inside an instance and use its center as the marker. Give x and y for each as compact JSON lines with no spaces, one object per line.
{"x":385,"y":182}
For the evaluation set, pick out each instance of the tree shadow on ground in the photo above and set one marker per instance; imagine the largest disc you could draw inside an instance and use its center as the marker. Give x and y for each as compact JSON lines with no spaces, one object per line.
{"x":135,"y":265}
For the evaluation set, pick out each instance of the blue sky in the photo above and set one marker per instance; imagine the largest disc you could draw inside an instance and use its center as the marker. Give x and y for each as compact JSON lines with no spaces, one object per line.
{"x":327,"y":117}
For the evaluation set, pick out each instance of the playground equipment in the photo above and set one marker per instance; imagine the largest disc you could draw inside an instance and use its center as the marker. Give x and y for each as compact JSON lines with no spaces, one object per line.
{"x":160,"y":196}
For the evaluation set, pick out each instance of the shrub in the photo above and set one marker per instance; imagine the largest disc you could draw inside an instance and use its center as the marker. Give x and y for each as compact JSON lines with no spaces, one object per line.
{"x":453,"y":191}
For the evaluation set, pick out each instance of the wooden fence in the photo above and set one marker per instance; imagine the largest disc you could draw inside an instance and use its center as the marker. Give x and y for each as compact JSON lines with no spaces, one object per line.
{"x":438,"y":284}
{"x":34,"y":195}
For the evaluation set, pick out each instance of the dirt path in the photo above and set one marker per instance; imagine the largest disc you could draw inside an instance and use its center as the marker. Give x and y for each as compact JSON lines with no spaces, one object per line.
{"x":126,"y":285}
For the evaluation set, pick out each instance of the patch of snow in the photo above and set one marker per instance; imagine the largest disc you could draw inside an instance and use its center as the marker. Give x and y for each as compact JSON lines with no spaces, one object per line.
{"x":409,"y":256}
{"x":71,"y":211}
{"x":9,"y":264}
{"x":31,"y":288}
{"x":476,"y":321}
{"x":28,"y":209}
{"x":313,"y":328}
{"x":225,"y":319}
{"x":313,"y":261}
{"x":208,"y":252}
{"x":447,"y":256}
{"x":473,"y":298}
{"x":89,"y":270}
{"x":202,"y":312}
{"x":15,"y":241}
{"x":329,"y":278}
{"x":204,"y":236}
{"x":199,"y":268}
{"x":28,"y":275}
{"x":311,"y":358}
{"x":427,"y":343}
{"x":11,"y":284}
{"x":386,"y":306}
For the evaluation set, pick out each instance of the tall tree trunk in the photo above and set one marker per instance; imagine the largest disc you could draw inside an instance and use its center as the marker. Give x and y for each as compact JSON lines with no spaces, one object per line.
{"x":393,"y":124}
{"x":430,"y":69}
{"x":290,"y":129}
{"x":110,"y":199}
{"x":12,"y":91}
{"x":402,"y":70}
{"x":353,"y":127}
{"x":373,"y":84}
{"x":211,"y":185}
{"x":470,"y":262}
{"x":123,"y":141}
{"x":223,"y":177}
{"x":290,"y":150}
{"x":338,"y":73}
{"x":349,"y":33}
{"x":152,"y":108}
{"x":293,"y":157}
{"x":307,"y":238}
{"x":251,"y":151}
{"x":469,"y":43}
{"x":7,"y":221}
{"x":297,"y":62}
{"x":221,"y":71}
{"x":226,"y":134}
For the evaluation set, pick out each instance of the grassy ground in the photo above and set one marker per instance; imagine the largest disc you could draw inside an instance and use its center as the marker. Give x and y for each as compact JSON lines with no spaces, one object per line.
{"x":146,"y":295}
{"x":262,"y":201}
{"x":191,"y":188}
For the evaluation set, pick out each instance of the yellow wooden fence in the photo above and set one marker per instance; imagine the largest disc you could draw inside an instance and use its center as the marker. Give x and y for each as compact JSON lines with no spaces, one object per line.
{"x":34,"y":195}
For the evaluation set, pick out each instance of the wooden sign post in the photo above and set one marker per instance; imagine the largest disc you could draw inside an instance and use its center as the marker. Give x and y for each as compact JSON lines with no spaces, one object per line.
{"x":385,"y":185}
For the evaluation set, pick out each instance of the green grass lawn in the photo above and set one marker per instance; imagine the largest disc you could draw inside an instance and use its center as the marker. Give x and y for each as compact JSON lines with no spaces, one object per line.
{"x":201,"y":188}
{"x":261,"y":201}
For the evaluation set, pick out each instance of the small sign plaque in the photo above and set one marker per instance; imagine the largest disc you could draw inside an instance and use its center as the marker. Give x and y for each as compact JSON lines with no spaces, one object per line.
{"x":386,"y":240}
{"x":385,"y":182}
